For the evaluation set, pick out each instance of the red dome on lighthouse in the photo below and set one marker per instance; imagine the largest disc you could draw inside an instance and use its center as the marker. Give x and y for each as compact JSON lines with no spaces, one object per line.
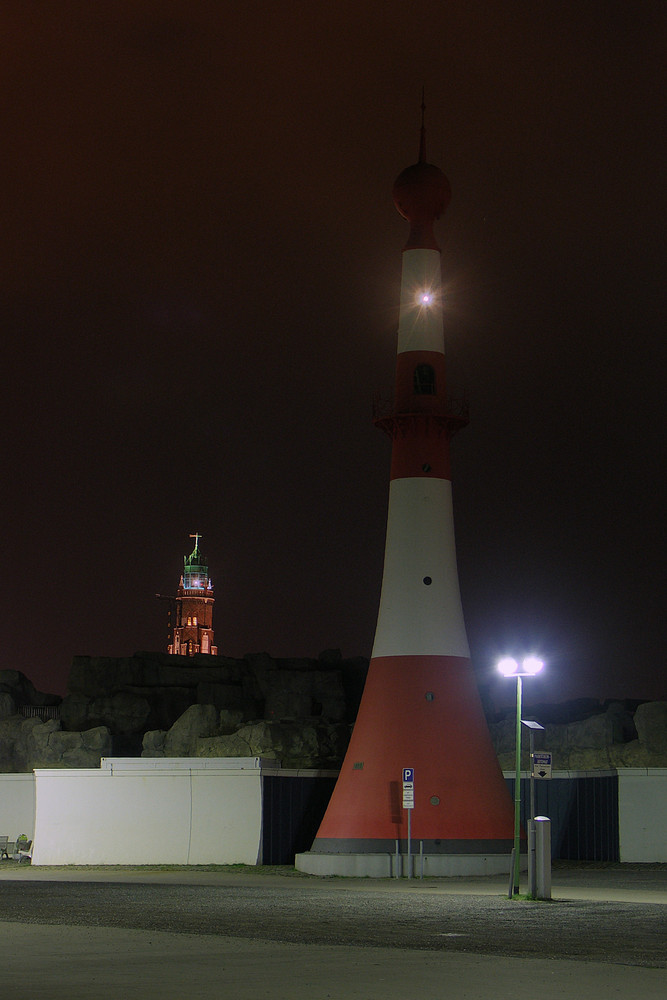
{"x":421,"y":195}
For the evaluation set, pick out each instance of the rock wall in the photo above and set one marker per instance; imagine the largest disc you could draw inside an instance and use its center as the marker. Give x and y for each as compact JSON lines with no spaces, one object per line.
{"x":615,"y":736}
{"x":297,"y":743}
{"x":299,"y":711}
{"x":32,"y":743}
{"x":152,"y":690}
{"x":28,"y":741}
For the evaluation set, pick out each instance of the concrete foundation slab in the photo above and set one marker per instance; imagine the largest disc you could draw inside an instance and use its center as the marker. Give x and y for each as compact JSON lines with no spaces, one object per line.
{"x":396,"y":866}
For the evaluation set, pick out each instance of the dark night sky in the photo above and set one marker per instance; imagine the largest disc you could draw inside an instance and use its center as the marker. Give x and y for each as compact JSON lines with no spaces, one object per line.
{"x":199,"y":292}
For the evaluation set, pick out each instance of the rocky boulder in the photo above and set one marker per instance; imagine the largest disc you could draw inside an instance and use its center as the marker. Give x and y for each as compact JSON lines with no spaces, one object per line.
{"x":49,"y":746}
{"x":29,"y":743}
{"x":153,"y":743}
{"x":197,"y":721}
{"x":13,"y":743}
{"x":296,"y":745}
{"x":7,"y":705}
{"x":203,"y":732}
{"x":123,"y":712}
{"x":651,"y":723}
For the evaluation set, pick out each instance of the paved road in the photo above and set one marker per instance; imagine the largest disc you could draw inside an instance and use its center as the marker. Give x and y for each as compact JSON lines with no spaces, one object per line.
{"x":191,"y":934}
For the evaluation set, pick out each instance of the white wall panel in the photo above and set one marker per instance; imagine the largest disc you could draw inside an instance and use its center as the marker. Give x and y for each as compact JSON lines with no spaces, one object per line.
{"x":642,"y":814}
{"x":17,"y":805}
{"x":180,"y":816}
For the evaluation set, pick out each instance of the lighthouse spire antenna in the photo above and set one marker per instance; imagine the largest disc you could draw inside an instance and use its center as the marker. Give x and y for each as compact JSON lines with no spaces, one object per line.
{"x":422,"y":134}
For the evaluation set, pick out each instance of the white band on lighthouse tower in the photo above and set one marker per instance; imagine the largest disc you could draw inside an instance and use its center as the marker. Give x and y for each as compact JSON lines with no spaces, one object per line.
{"x":420,"y":606}
{"x":420,"y":319}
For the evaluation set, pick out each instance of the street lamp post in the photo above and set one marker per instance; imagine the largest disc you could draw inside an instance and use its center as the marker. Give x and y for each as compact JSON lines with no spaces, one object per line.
{"x":532,"y":726}
{"x":509,"y":667}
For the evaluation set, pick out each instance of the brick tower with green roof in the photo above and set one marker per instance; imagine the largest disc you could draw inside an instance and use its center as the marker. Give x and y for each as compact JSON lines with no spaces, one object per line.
{"x":193,"y":625}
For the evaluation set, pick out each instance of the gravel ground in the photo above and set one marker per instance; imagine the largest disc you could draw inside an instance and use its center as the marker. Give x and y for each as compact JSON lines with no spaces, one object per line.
{"x":321,"y":912}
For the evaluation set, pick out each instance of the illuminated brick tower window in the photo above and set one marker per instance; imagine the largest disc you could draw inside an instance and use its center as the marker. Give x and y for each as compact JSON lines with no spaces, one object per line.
{"x":193,"y":625}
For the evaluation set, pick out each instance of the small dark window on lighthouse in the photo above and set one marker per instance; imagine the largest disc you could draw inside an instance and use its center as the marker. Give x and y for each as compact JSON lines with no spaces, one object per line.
{"x":423,"y":380}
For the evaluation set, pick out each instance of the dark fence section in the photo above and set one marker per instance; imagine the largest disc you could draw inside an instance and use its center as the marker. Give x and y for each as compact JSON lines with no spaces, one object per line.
{"x":590,"y":827}
{"x":583,"y":813}
{"x":293,"y":808}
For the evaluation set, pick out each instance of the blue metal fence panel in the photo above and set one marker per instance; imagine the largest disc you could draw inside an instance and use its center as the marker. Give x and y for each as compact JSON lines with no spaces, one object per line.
{"x":292,"y":810}
{"x":583,"y":813}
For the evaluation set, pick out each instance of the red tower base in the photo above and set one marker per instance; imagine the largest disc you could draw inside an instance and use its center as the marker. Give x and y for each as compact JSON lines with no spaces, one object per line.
{"x":425,"y":713}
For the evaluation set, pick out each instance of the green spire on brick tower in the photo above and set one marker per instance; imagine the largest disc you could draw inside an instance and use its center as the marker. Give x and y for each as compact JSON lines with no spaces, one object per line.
{"x":195,"y":568}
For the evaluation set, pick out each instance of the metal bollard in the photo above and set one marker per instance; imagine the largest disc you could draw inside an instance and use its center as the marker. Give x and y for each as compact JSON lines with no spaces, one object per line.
{"x":542,"y":857}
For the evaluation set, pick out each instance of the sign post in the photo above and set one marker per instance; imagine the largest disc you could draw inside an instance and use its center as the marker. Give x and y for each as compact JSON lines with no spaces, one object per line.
{"x":540,"y":769}
{"x":409,"y":804}
{"x":532,"y":727}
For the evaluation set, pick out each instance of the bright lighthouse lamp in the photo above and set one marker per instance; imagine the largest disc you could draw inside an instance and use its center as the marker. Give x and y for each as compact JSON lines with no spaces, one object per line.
{"x":509,"y":667}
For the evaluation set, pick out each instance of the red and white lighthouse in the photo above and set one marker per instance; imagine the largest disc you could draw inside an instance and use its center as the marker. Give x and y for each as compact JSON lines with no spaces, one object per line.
{"x":420,"y":708}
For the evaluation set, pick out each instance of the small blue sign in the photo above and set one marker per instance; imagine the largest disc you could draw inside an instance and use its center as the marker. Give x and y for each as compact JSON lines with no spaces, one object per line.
{"x":408,"y":774}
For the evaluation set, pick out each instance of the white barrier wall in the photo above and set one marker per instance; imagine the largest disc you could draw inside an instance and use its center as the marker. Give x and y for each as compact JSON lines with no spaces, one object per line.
{"x":17,"y":805}
{"x":209,"y":811}
{"x":169,"y":814}
{"x":642,"y":813}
